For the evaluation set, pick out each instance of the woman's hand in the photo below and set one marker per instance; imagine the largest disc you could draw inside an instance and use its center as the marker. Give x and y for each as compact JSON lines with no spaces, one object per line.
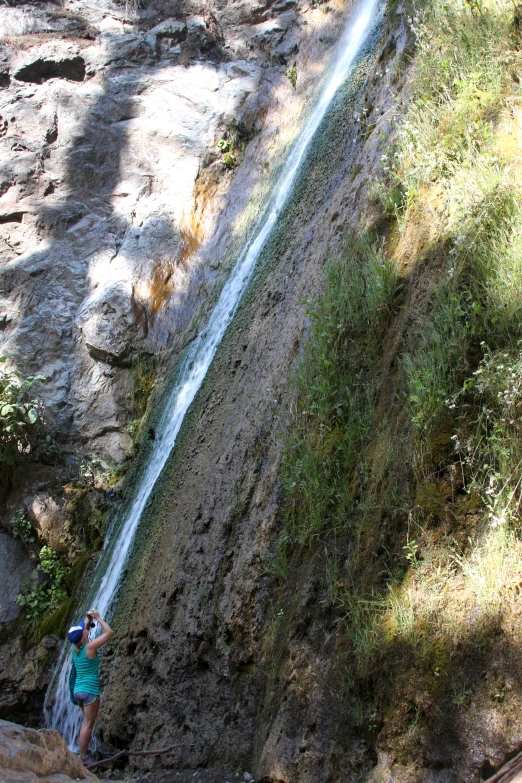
{"x":95,"y":644}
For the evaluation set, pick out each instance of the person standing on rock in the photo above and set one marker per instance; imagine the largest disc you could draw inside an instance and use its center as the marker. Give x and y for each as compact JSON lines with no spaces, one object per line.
{"x":86,"y":687}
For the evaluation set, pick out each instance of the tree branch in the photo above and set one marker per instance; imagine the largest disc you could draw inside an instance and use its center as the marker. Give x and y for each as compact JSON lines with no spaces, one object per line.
{"x":123,"y":753}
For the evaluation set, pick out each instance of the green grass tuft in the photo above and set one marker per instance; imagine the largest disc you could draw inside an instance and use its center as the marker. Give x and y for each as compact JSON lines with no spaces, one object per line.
{"x":335,"y":409}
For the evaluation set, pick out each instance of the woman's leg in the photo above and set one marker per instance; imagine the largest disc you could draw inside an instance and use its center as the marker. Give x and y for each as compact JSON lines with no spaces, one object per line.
{"x":90,"y":712}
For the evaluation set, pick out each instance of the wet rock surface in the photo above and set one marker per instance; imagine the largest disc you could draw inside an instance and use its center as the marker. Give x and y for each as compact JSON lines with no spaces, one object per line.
{"x":24,"y":676}
{"x":248,"y":666}
{"x":117,"y":216}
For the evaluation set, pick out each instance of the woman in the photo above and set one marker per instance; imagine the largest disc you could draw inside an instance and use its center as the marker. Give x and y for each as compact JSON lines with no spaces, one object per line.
{"x":87,"y":685}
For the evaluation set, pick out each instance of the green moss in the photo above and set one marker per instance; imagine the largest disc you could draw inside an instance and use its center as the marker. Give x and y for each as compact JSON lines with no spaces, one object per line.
{"x":76,"y":573}
{"x":144,"y":373}
{"x":57,"y":621}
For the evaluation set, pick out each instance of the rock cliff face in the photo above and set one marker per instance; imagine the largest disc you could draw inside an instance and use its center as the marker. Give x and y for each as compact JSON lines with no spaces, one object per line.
{"x":136,"y":150}
{"x":104,"y":133}
{"x":209,"y":651}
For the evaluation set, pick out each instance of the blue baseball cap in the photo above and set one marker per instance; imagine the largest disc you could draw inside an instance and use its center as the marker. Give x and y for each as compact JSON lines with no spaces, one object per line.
{"x":76,"y":632}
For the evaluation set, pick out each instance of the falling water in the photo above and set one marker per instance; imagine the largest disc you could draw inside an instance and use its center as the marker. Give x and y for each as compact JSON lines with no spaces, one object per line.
{"x":64,"y":716}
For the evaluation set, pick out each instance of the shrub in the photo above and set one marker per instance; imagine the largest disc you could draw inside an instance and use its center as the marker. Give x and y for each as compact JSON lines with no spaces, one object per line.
{"x":23,"y":527}
{"x":48,"y":596}
{"x":234,"y":142}
{"x":20,"y":414}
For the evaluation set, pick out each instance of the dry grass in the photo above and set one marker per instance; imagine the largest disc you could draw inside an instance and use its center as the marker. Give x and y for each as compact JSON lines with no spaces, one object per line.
{"x":191,"y":234}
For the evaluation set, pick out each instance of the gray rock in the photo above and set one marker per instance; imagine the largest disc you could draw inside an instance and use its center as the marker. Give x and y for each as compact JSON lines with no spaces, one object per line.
{"x":15,"y":566}
{"x":170,"y":32}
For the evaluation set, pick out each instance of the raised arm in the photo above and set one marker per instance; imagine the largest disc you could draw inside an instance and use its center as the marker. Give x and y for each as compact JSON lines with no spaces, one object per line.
{"x":95,"y":644}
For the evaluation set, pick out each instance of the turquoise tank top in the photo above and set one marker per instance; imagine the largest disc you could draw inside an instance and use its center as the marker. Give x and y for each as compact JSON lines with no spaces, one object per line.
{"x":87,"y":680}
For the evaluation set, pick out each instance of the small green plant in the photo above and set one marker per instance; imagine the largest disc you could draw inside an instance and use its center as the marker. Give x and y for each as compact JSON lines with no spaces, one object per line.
{"x":224,"y":145}
{"x":460,"y":695}
{"x":115,"y":474}
{"x":291,"y":75}
{"x":20,"y":414}
{"x":133,"y":427}
{"x":234,"y":142}
{"x":230,"y":161}
{"x":48,"y":596}
{"x":415,"y":719}
{"x":23,"y":527}
{"x":410,"y":550}
{"x":277,"y":561}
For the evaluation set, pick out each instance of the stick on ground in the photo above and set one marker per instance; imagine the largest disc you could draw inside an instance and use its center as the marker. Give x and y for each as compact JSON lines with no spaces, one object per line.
{"x":123,"y":753}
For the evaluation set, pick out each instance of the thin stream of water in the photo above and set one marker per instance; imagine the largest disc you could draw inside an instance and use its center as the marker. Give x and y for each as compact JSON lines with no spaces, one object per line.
{"x":63,"y":715}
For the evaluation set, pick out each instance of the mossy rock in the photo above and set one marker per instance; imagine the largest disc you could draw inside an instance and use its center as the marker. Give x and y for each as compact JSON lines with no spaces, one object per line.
{"x":55,"y":622}
{"x":431,"y":499}
{"x":75,"y":573}
{"x":89,"y":511}
{"x":439,"y":452}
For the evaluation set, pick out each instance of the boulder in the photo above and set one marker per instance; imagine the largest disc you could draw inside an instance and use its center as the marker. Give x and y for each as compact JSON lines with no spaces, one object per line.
{"x":28,"y":756}
{"x":111,"y":322}
{"x":52,"y":522}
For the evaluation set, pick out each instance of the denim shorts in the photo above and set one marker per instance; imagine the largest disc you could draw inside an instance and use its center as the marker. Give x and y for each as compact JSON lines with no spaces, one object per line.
{"x":83,"y":699}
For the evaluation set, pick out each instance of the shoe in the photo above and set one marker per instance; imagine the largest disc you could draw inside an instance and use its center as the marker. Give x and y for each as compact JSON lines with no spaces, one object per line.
{"x":87,"y":761}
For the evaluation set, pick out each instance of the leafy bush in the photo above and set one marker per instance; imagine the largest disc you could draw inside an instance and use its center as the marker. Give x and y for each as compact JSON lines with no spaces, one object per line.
{"x":48,"y":596}
{"x":115,"y":474}
{"x":20,"y":414}
{"x":23,"y":527}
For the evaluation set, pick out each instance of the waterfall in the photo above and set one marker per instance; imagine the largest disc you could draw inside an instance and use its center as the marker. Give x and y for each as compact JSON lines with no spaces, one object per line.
{"x":63,"y":715}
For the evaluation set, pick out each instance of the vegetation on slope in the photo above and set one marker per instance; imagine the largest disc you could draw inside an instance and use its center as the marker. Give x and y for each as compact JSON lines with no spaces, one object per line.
{"x":404,"y":463}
